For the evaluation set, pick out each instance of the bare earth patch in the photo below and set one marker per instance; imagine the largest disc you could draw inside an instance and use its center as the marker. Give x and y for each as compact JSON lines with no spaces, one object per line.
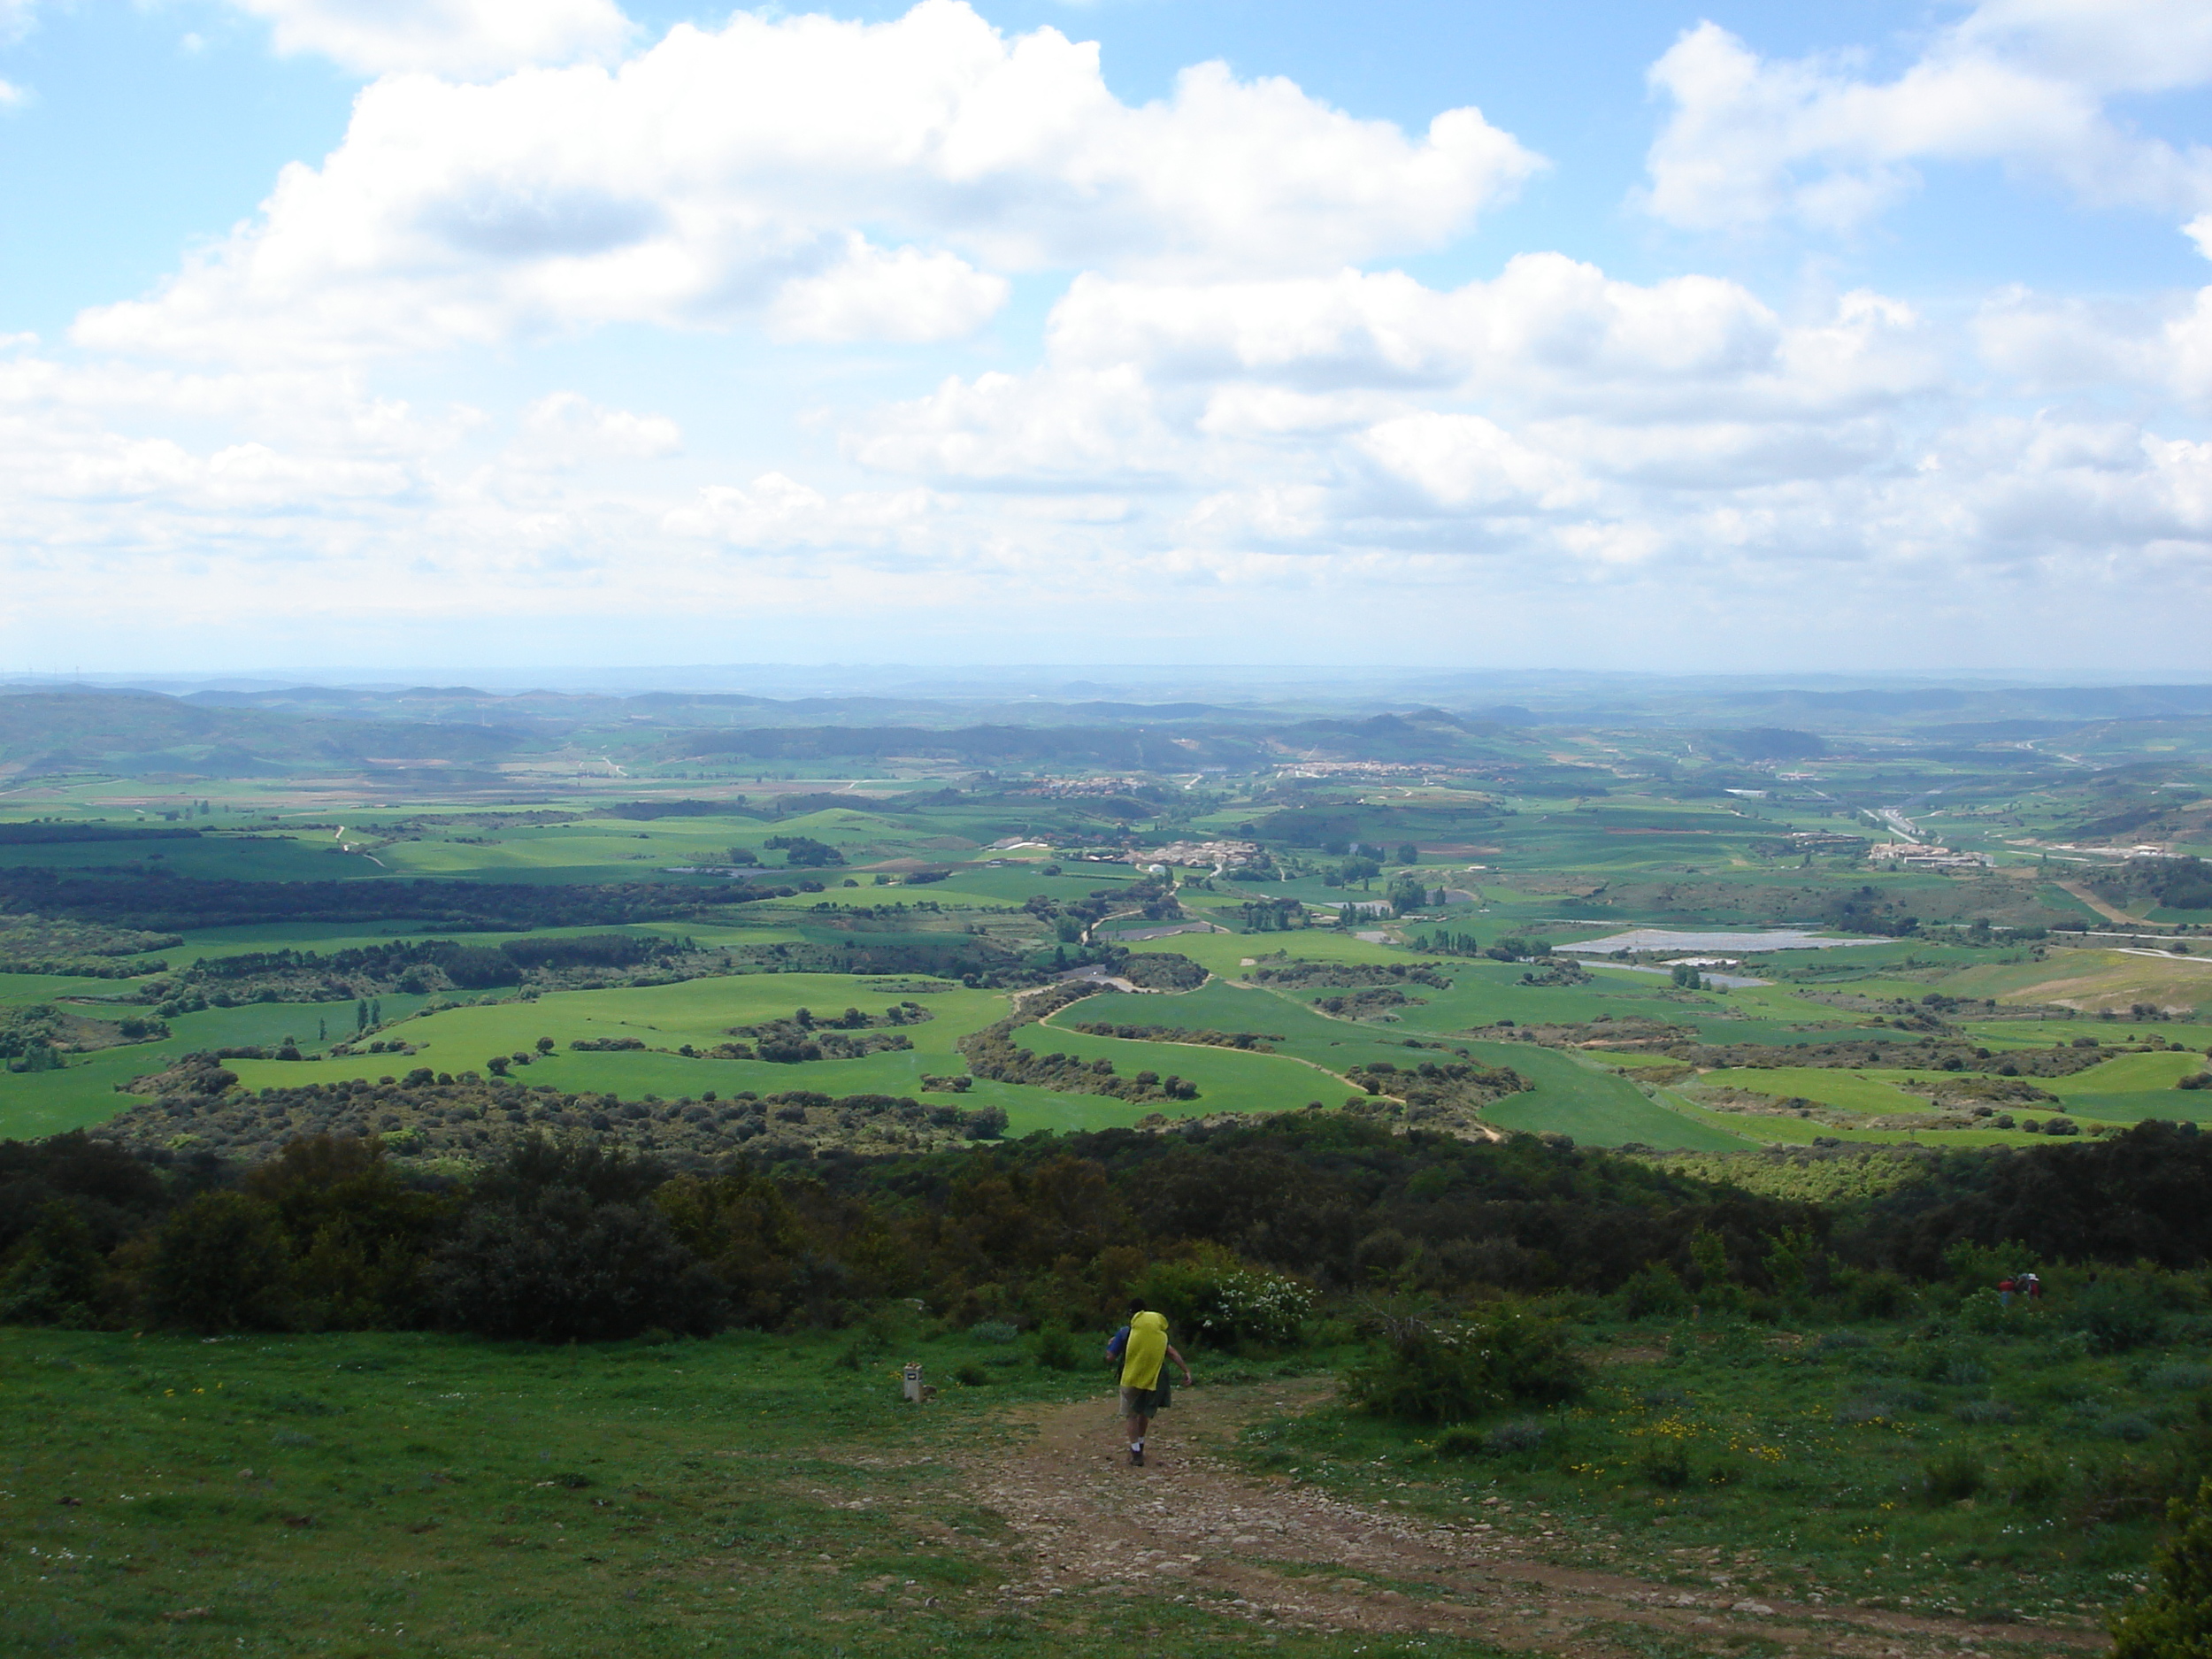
{"x":1192,"y":1526}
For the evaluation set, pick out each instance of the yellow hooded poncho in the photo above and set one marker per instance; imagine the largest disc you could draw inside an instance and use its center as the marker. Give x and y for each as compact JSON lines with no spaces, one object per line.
{"x":1145,"y":1352}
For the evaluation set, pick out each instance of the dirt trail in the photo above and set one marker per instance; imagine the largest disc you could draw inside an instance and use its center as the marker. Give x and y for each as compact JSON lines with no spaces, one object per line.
{"x":1192,"y":1526}
{"x":2109,"y":912}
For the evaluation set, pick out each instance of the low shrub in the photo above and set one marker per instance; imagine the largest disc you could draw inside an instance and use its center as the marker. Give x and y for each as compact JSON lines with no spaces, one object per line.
{"x":2179,"y":1376}
{"x":2118,"y":1313}
{"x":1055,"y":1347}
{"x":1433,"y":1372}
{"x":1653,"y":1290}
{"x":2034,"y":1483}
{"x":1460,"y":1441}
{"x":1666,"y":1464}
{"x":1509,"y":1438}
{"x":1952,"y":1477}
{"x":1878,"y":1296}
{"x":1985,"y":1314}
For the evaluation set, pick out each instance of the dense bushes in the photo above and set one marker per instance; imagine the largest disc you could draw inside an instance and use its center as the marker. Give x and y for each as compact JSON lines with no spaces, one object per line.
{"x":423,"y":964}
{"x":1227,"y":1229}
{"x":551,"y":1264}
{"x":219,"y":1263}
{"x":2136,"y":1196}
{"x":138,"y":898}
{"x":1211,"y":1297}
{"x":55,"y":1277}
{"x":1442,"y":1371}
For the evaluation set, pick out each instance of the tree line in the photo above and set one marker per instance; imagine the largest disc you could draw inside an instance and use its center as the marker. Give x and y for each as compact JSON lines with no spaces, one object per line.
{"x":566,"y":1237}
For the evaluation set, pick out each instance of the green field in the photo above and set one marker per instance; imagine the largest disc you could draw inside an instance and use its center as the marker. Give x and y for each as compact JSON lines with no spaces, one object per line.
{"x":1558,"y":852}
{"x":1567,"y":1096}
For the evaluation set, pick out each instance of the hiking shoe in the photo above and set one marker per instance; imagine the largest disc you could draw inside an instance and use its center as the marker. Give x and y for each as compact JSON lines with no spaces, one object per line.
{"x":1136,"y":1458}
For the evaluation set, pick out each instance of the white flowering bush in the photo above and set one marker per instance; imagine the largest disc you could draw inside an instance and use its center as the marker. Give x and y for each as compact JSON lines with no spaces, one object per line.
{"x":1254,"y":1306}
{"x":1213,"y":1298}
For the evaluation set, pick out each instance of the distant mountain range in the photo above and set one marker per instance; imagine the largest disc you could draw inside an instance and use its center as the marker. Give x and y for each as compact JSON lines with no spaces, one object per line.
{"x":240,"y":732}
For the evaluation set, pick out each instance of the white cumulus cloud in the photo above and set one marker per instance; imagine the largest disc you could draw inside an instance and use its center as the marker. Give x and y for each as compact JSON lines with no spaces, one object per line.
{"x":874,"y":294}
{"x":566,"y":429}
{"x":2026,"y":83}
{"x":778,"y":511}
{"x":726,"y":172}
{"x":1044,"y":431}
{"x":1549,"y":332}
{"x":1464,"y":461}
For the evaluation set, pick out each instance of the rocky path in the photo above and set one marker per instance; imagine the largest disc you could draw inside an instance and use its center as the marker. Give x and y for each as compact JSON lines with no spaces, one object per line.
{"x":1191,"y":1526}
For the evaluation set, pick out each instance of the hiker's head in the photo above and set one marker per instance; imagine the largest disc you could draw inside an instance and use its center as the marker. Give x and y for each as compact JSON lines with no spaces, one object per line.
{"x":1136,"y":1304}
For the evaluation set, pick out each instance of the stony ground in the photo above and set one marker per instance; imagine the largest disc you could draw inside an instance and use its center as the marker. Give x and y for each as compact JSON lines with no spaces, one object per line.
{"x":1191,"y":1525}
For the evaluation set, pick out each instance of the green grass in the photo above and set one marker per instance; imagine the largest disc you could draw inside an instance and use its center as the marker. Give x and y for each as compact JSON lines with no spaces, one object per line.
{"x":81,"y":1093}
{"x":699,"y":1012}
{"x":1566,"y":1096}
{"x":2125,"y":1089}
{"x":271,"y":855}
{"x":1596,"y":1108}
{"x":373,"y":1495}
{"x":1227,"y":1081}
{"x":2127,"y":1072}
{"x":16,"y":989}
{"x":1803,"y":1464}
{"x":85,"y":1091}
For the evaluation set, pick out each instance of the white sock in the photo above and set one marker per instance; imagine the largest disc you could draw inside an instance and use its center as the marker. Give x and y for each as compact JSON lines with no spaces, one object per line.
{"x":1136,"y":1446}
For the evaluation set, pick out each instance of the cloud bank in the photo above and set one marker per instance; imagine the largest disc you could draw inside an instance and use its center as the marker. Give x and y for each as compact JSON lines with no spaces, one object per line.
{"x":1080,"y":358}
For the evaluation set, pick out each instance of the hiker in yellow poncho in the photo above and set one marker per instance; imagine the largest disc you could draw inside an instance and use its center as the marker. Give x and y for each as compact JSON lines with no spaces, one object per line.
{"x":1143,"y":1349}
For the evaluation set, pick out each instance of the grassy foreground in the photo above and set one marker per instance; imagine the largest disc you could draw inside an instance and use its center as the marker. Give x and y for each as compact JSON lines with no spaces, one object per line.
{"x":367,"y":1495}
{"x":1988,"y":1465}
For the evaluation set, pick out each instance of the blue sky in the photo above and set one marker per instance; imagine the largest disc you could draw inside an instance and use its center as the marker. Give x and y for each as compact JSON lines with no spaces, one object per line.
{"x":1739,"y":336}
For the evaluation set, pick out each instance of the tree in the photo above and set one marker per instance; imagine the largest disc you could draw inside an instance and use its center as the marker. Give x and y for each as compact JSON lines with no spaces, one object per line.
{"x":804,"y":852}
{"x":54,"y":1276}
{"x":221,"y":1263}
{"x":545,"y":1045}
{"x":554,"y":1265}
{"x":359,"y":1238}
{"x":1408,"y":853}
